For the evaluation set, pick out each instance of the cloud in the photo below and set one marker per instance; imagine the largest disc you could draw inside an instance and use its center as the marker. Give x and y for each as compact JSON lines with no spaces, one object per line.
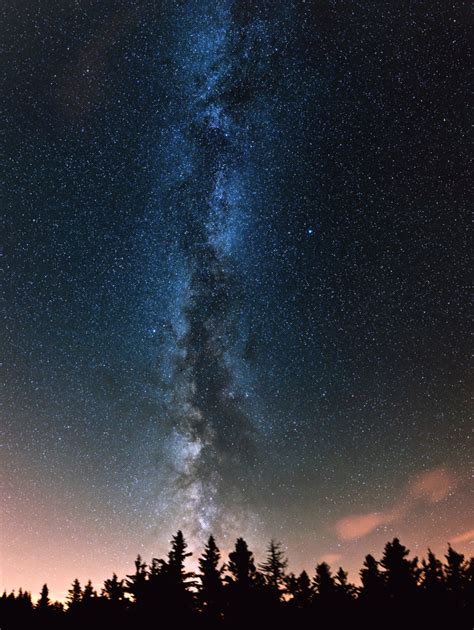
{"x":434,"y":485}
{"x":431,"y":487}
{"x":360,"y":525}
{"x":464,"y":537}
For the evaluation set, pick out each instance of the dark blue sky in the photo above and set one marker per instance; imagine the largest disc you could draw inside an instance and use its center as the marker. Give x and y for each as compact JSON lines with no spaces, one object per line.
{"x":235,"y":269}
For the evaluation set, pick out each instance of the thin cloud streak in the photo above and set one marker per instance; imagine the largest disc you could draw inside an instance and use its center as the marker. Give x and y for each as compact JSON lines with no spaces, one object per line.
{"x":429,"y":487}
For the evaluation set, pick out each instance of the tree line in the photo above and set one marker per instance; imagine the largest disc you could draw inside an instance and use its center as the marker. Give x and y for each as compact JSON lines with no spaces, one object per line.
{"x":394,"y":592}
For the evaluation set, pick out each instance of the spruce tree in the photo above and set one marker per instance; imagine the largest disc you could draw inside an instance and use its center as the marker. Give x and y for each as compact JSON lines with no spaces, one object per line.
{"x":400,"y":574}
{"x":174,"y":582}
{"x":136,"y":583}
{"x":456,"y":571}
{"x":74,"y":596}
{"x":344,"y":589}
{"x":176,"y":559}
{"x":300,"y":589}
{"x":273,"y":569}
{"x":114,"y":589}
{"x":373,"y":585}
{"x":324,"y":582}
{"x":210,"y":576}
{"x":241,"y":565}
{"x":43,"y":602}
{"x":432,"y":575}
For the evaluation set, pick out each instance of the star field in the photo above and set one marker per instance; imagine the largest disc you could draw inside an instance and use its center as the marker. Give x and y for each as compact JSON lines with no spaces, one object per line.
{"x":235,"y":263}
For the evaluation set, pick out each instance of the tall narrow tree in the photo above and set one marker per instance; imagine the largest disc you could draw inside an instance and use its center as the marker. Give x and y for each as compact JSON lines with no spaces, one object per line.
{"x":210,"y":577}
{"x":43,"y":602}
{"x":324,"y":582}
{"x":136,"y":583}
{"x":456,"y":571}
{"x":273,"y":569}
{"x":74,"y":596}
{"x":373,"y":585}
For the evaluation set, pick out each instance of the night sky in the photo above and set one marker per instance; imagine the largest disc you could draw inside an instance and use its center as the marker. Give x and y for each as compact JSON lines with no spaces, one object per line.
{"x":234,"y":261}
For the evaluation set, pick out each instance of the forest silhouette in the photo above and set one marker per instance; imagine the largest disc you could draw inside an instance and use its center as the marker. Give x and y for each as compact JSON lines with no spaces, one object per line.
{"x":394,"y":592}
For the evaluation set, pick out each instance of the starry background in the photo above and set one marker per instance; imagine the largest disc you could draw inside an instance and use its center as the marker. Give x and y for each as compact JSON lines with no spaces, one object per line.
{"x":234,"y":261}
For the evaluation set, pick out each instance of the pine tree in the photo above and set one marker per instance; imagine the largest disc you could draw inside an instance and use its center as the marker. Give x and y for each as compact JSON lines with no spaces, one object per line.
{"x":176,"y":559}
{"x":23,"y":600}
{"x":114,"y":589}
{"x":136,"y":583}
{"x":300,"y":589}
{"x":43,"y":602}
{"x":469,"y":588}
{"x":373,"y":585}
{"x":344,"y":589}
{"x":173,"y":583}
{"x":274,"y":567}
{"x":324,"y":582}
{"x":456,"y":571}
{"x":400,"y":574}
{"x":241,"y":565}
{"x":74,"y":596}
{"x":210,"y":576}
{"x":88,"y":594}
{"x":433,"y":580}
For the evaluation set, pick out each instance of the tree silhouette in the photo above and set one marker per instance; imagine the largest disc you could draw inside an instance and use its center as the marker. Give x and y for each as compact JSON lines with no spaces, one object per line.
{"x":395,"y":593}
{"x":300,"y":589}
{"x":432,"y":576}
{"x":88,"y":593}
{"x":74,"y":596}
{"x":373,"y":584}
{"x":114,"y":590}
{"x":211,"y":588}
{"x":176,"y":559}
{"x":135,"y":584}
{"x":175,"y":582}
{"x":243,"y":601}
{"x":241,"y":566}
{"x":273,"y":569}
{"x":344,"y":589}
{"x":456,"y":571}
{"x":401,"y":574}
{"x":43,"y":602}
{"x":323,"y":582}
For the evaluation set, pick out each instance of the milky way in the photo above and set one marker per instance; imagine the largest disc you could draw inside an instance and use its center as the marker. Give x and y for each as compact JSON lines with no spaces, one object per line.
{"x":208,"y":462}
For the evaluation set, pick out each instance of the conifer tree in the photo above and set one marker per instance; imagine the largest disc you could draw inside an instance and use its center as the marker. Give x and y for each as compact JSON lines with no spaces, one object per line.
{"x":43,"y":602}
{"x":241,"y":565}
{"x":88,"y":593}
{"x":210,"y":576}
{"x":344,"y":589}
{"x":136,"y":583}
{"x":324,"y":582}
{"x":456,"y":571}
{"x":373,"y":585}
{"x":176,"y":559}
{"x":114,"y":589}
{"x":273,"y":569}
{"x":400,"y":574}
{"x":300,"y":589}
{"x":432,"y":575}
{"x":74,"y":596}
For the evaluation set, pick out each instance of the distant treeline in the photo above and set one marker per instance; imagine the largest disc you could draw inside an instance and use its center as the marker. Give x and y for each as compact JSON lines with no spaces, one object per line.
{"x":395,"y":592}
